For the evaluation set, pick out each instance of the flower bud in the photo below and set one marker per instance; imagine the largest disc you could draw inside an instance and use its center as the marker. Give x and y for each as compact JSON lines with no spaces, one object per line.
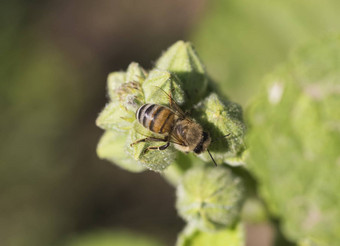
{"x":228,"y":236}
{"x":224,"y":122}
{"x":210,"y":198}
{"x":134,"y":73}
{"x":159,"y":85}
{"x":182,"y":60}
{"x":115,"y":117}
{"x":179,"y":75}
{"x":114,"y":80}
{"x":126,"y":96}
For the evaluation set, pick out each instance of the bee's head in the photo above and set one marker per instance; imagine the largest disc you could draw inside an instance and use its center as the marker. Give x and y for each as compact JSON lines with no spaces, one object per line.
{"x":203,"y":144}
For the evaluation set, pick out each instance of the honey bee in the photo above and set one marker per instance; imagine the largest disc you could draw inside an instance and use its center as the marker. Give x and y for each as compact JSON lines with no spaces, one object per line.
{"x":174,"y":126}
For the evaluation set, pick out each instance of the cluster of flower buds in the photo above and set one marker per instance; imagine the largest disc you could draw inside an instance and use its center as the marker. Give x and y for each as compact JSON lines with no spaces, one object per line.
{"x":209,"y":197}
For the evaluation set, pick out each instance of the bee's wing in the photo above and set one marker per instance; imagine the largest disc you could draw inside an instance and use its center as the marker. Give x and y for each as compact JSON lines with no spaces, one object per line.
{"x":174,"y":139}
{"x":174,"y":105}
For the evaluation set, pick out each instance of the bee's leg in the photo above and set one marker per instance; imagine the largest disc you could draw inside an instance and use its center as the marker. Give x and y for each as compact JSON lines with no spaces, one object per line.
{"x":149,"y":139}
{"x":162,"y":147}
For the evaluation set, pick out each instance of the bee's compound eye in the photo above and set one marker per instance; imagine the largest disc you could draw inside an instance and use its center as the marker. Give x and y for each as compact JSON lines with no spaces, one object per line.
{"x":205,"y":136}
{"x":199,"y":148}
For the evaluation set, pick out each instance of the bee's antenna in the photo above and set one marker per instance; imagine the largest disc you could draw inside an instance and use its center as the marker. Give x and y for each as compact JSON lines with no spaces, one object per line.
{"x":212,"y":158}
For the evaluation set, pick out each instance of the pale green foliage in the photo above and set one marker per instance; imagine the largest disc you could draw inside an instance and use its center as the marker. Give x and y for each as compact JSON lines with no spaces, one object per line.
{"x":254,"y":211}
{"x":210,"y":198}
{"x":179,"y":73}
{"x":295,"y":138}
{"x":191,"y":236}
{"x":241,"y":41}
{"x":311,"y":242}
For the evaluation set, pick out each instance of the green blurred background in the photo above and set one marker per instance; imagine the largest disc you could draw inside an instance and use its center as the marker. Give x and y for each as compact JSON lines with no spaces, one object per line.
{"x":54,"y":59}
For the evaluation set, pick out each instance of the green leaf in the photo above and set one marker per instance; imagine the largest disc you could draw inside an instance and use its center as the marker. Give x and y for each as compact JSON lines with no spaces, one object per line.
{"x":111,"y":147}
{"x":194,"y":237}
{"x":210,"y":198}
{"x":295,"y":141}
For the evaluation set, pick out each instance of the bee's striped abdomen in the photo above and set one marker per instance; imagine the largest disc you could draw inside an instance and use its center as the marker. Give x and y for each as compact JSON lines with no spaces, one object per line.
{"x":156,"y":118}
